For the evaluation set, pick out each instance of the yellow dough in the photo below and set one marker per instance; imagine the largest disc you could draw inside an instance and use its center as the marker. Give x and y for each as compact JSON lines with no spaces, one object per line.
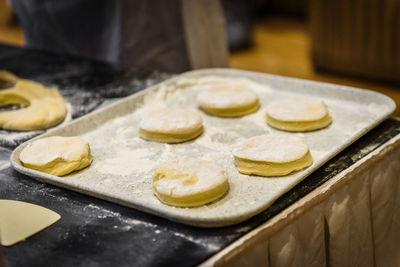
{"x":57,"y":155}
{"x":20,"y":220}
{"x":170,"y":125}
{"x":7,"y":79}
{"x":272,"y":155}
{"x":298,"y":115}
{"x":44,"y":107}
{"x":228,"y":101}
{"x":189,"y":182}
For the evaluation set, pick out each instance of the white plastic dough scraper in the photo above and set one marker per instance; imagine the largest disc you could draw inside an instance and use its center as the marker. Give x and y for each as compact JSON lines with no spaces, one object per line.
{"x":20,"y":220}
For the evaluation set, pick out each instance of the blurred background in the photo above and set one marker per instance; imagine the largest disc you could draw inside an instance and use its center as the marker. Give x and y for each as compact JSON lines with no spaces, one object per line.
{"x":349,"y":42}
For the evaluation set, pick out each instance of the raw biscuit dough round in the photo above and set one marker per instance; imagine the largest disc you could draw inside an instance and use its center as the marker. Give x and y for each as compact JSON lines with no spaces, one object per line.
{"x":298,"y":115}
{"x":170,"y":125}
{"x":57,"y":155}
{"x":272,"y":155}
{"x":189,"y":182}
{"x":44,"y":107}
{"x":228,"y":101}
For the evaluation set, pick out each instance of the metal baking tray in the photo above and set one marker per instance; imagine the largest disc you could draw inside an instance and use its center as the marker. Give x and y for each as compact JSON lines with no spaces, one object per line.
{"x":123,"y":163}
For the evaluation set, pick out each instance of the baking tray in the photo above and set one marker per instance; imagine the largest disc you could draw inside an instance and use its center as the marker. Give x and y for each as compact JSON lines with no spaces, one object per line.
{"x":123,"y":163}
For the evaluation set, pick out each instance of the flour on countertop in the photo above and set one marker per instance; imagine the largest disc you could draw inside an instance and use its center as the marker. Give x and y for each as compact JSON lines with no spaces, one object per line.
{"x":4,"y":164}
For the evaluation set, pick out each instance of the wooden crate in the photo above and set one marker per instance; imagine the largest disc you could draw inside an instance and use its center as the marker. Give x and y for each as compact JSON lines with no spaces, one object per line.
{"x":357,"y":37}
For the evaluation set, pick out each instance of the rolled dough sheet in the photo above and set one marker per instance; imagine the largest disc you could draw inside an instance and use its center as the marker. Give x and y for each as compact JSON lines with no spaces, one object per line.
{"x":20,"y":220}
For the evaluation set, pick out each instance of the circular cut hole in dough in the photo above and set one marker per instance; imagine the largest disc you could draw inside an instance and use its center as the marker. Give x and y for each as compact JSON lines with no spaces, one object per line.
{"x":56,"y":155}
{"x":189,"y":182}
{"x":228,"y":101}
{"x":298,"y":115}
{"x":170,"y":125}
{"x":8,"y":80}
{"x":271,"y":155}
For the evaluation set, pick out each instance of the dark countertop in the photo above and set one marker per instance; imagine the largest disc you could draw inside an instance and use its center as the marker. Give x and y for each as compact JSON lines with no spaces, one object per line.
{"x":93,"y":232}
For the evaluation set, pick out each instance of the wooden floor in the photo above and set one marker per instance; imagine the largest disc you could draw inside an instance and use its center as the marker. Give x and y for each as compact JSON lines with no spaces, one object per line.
{"x":280,"y":46}
{"x":9,"y":34}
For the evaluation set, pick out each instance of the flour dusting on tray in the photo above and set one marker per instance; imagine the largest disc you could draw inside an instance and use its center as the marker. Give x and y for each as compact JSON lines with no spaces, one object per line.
{"x":123,"y":163}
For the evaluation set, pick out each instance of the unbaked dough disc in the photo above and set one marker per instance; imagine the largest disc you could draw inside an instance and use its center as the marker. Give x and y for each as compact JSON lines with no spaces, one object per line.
{"x":189,"y":182}
{"x":44,"y":107}
{"x":228,"y":101}
{"x":57,"y":155}
{"x":298,"y":115}
{"x":272,"y":155}
{"x":20,"y":220}
{"x":170,"y":125}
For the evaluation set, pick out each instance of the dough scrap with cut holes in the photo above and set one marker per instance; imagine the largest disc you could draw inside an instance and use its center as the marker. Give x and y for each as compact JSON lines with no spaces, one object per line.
{"x":170,"y":125}
{"x":228,"y":101}
{"x":189,"y":182}
{"x":44,"y":107}
{"x":271,"y":155}
{"x":298,"y":115}
{"x":56,"y":155}
{"x":7,"y":78}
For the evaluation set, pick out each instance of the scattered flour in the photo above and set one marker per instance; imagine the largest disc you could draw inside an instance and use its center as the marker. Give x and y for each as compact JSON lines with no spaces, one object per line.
{"x":127,"y":162}
{"x":376,"y":109}
{"x":4,"y":164}
{"x":258,"y":117}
